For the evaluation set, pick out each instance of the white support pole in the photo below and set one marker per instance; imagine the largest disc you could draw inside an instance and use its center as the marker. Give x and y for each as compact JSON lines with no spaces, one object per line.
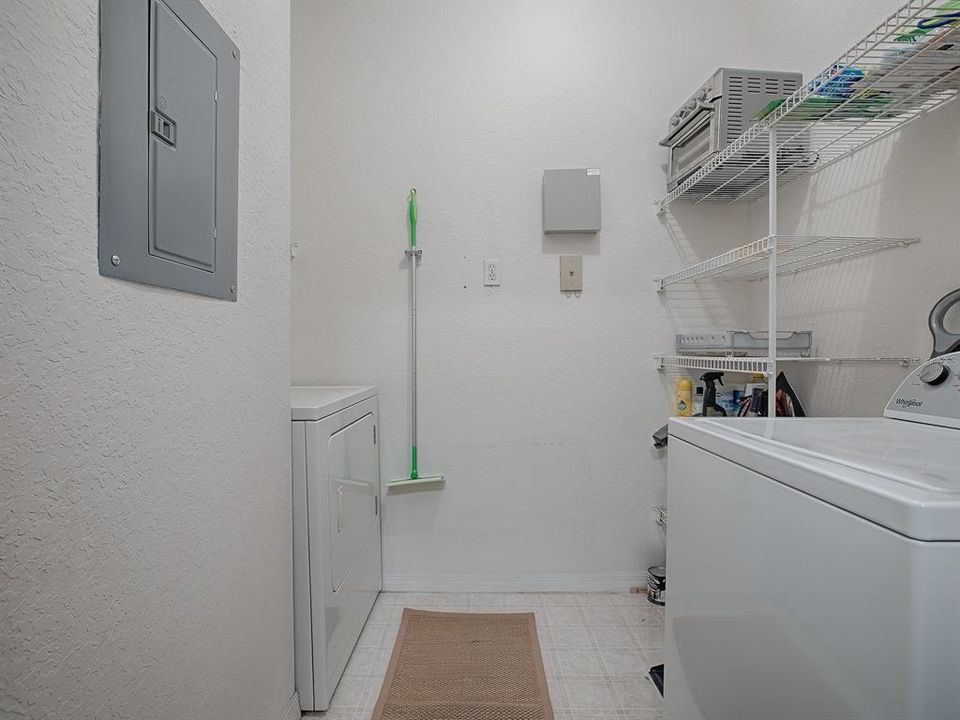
{"x":772,"y":278}
{"x":414,"y":255}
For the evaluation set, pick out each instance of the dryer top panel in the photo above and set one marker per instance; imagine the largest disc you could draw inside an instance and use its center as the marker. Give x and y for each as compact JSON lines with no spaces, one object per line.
{"x":319,"y":401}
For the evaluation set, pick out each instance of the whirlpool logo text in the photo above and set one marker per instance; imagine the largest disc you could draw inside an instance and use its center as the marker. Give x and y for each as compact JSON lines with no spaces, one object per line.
{"x":903,"y":402}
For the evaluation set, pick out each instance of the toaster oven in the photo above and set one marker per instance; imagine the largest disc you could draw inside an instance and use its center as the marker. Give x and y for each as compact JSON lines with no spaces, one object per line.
{"x":721,"y":110}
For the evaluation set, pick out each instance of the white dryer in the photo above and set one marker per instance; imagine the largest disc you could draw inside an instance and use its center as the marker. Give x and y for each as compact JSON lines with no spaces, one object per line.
{"x":814,"y":563}
{"x":336,"y":531}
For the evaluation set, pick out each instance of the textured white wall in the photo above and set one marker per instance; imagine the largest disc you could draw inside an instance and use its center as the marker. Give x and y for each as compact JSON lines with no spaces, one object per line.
{"x":145,"y":567}
{"x":538,"y":407}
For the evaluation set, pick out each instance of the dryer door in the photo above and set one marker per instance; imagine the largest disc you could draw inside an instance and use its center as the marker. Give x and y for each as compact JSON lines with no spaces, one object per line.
{"x":352,"y":477}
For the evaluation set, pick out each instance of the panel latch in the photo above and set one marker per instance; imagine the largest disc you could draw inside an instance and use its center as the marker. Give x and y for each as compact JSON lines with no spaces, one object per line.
{"x":164,"y":128}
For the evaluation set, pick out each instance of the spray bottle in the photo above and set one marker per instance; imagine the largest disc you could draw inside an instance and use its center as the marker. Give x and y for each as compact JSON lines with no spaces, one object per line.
{"x":710,"y":381}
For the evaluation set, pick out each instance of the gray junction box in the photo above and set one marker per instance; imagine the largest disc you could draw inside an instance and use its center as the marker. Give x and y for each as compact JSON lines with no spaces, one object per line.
{"x":571,"y":201}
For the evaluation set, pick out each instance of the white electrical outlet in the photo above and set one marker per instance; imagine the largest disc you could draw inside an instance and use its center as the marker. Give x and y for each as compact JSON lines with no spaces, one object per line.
{"x":491,"y":272}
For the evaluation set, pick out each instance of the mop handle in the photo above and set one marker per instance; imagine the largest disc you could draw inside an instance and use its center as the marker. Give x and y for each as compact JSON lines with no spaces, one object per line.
{"x":413,"y":252}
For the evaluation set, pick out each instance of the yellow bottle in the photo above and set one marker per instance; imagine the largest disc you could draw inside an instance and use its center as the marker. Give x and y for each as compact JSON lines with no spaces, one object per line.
{"x":684,"y":398}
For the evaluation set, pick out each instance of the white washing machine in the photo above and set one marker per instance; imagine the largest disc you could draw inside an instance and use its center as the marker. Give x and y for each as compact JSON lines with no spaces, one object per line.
{"x":336,"y":531}
{"x":814,"y":563}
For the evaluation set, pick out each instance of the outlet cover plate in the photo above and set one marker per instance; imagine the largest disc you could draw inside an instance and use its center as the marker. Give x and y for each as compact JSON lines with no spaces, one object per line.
{"x":571,"y":273}
{"x":491,"y":272}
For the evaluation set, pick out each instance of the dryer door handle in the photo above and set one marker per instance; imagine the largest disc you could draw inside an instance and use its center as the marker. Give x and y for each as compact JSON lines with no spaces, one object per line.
{"x":340,"y":509}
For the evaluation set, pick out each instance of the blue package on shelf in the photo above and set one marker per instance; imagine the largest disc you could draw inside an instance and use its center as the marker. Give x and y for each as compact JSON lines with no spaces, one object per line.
{"x":729,"y":399}
{"x":838,"y":82}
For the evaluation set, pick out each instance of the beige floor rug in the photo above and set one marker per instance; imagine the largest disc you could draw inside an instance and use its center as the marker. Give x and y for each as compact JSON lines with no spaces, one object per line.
{"x":465,"y":666}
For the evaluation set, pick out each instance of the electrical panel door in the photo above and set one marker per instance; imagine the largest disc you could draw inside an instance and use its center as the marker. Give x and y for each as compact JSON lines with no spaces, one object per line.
{"x":169,"y":112}
{"x":183,"y":144}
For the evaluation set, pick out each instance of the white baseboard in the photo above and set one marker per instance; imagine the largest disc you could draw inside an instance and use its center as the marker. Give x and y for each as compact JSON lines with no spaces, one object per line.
{"x":292,"y":709}
{"x":480,"y":582}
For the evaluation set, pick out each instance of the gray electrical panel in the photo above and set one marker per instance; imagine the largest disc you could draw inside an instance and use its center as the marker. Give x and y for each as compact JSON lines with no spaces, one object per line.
{"x":169,"y":133}
{"x":571,"y":201}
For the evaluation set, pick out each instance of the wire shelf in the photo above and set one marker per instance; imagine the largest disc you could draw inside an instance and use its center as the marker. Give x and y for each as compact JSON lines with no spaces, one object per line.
{"x":726,"y":364}
{"x":794,"y":253}
{"x":759,"y":364}
{"x":906,"y":67}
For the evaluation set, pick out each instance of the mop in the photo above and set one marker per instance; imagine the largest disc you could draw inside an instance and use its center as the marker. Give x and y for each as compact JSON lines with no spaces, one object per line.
{"x":414,"y":253}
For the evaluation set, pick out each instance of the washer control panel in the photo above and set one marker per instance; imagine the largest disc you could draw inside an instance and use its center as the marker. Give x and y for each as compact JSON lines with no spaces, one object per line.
{"x":930,"y":394}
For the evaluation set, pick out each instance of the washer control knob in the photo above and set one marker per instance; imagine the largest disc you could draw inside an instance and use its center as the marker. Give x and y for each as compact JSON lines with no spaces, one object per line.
{"x":934,"y":373}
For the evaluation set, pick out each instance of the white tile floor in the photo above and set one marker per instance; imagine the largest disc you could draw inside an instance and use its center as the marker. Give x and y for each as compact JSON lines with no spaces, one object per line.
{"x":597,"y":649}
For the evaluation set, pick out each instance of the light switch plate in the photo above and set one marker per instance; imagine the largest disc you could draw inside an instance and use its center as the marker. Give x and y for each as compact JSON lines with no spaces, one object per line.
{"x":571,"y":273}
